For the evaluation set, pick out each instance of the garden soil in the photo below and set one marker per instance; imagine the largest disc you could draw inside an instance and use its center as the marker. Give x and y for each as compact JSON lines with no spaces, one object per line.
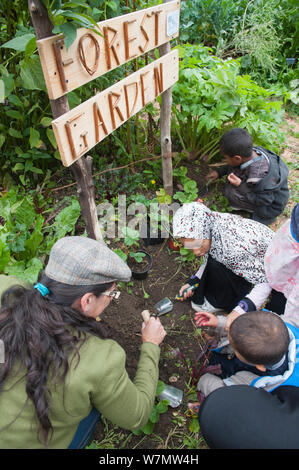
{"x":123,"y":320}
{"x":167,"y":275}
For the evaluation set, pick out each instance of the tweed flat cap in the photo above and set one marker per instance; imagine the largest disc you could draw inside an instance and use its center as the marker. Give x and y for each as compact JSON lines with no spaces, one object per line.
{"x":79,"y":261}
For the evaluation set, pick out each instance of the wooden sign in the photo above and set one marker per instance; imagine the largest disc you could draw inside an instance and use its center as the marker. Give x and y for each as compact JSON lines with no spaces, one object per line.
{"x":122,"y":38}
{"x":80,"y":129}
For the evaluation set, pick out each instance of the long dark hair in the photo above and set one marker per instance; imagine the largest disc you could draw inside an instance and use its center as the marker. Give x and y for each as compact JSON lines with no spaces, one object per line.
{"x":40,"y":335}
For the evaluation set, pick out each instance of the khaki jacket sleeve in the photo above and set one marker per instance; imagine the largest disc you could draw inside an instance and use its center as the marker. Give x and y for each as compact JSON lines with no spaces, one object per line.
{"x":122,"y":401}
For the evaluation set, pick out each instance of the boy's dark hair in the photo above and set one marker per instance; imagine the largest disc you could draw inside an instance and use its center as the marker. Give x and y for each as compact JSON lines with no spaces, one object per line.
{"x":236,"y":142}
{"x":260,"y":337}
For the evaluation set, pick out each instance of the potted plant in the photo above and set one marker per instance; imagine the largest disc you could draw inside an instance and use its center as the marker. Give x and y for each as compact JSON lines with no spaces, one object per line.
{"x":140,"y":262}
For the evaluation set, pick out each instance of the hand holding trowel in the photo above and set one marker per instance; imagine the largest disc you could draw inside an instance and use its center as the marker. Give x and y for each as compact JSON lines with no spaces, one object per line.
{"x":165,"y":305}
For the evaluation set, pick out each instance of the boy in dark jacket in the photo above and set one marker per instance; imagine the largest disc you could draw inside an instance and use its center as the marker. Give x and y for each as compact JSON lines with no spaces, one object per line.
{"x":257,"y":179}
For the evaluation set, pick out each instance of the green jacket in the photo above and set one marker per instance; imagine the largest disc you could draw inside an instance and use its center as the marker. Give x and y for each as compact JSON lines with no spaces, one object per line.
{"x":99,"y":380}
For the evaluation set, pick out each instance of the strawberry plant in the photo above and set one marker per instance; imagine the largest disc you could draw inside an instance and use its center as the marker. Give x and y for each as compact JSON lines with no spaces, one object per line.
{"x":159,"y":408}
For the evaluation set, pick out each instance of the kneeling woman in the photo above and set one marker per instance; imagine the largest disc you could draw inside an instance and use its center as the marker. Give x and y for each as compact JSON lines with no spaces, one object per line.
{"x":232,"y":276}
{"x":59,"y":372}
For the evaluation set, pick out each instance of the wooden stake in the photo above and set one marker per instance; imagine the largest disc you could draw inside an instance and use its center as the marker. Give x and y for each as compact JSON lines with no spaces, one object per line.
{"x":165,"y":127}
{"x":82,"y":168}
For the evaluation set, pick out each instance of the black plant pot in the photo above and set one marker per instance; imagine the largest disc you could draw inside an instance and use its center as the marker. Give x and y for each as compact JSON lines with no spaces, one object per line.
{"x":141,"y":273}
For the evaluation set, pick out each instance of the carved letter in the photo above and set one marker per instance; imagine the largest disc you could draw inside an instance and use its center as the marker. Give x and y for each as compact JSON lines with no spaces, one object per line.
{"x":98,"y":121}
{"x":114,"y":106}
{"x":158,"y":80}
{"x":57,"y":46}
{"x":143,"y":88}
{"x":128,"y":40}
{"x":82,"y":54}
{"x":70,"y":137}
{"x":142,"y":49}
{"x":130,"y":112}
{"x":157,"y":13}
{"x":109,"y":46}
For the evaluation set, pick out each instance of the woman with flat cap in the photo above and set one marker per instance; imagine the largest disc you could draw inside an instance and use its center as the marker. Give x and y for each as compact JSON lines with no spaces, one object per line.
{"x":59,"y":374}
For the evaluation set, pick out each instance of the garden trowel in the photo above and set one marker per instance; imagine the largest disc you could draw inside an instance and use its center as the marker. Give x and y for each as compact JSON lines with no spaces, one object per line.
{"x":165,"y":305}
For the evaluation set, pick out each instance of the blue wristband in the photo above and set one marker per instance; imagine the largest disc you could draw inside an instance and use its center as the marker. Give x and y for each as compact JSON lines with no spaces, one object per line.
{"x":247,"y":305}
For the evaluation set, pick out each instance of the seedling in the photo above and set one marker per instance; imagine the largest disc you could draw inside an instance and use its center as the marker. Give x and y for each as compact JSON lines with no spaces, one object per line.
{"x":138,"y":256}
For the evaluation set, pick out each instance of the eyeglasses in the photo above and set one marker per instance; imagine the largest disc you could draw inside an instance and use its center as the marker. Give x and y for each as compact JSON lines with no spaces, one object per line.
{"x":112,"y":293}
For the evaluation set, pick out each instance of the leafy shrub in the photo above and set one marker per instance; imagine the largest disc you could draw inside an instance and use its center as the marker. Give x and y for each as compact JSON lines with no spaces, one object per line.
{"x":264,"y":32}
{"x":211,"y":97}
{"x":26,"y":237}
{"x":211,"y":22}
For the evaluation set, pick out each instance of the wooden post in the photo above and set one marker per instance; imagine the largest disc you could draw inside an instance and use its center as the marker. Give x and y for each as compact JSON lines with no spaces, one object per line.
{"x":165,"y":130}
{"x":82,"y":168}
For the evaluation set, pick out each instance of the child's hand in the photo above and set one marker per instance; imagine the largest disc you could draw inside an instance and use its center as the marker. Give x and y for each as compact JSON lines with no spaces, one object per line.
{"x":234,"y":180}
{"x":206,"y":319}
{"x":213,"y":175}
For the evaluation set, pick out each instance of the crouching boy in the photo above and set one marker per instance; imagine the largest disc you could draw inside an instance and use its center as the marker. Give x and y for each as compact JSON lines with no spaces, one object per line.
{"x":258,"y":350}
{"x":257,"y":179}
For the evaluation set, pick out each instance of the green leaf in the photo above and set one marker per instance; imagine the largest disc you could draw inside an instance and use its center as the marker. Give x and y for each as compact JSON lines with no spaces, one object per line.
{"x":160,"y":387}
{"x":15,"y":114}
{"x":34,"y":138}
{"x":162,"y":406}
{"x":15,"y":100}
{"x":15,"y":133}
{"x":194,"y":424}
{"x":31,"y":74}
{"x":8,"y":79}
{"x":19,"y":43}
{"x":154,"y":416}
{"x":30,"y":47}
{"x":46,"y":121}
{"x":23,"y":212}
{"x":2,"y":91}
{"x":28,"y":273}
{"x":4,"y":255}
{"x":148,"y":428}
{"x":75,"y":5}
{"x":70,"y":33}
{"x":37,"y":171}
{"x":18,"y":167}
{"x":32,"y":244}
{"x":112,"y":5}
{"x":2,"y":139}
{"x":121,"y":254}
{"x":51,"y":137}
{"x":66,"y":219}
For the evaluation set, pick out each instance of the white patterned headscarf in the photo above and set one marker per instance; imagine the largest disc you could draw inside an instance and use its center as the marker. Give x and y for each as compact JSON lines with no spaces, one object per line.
{"x":237,"y":243}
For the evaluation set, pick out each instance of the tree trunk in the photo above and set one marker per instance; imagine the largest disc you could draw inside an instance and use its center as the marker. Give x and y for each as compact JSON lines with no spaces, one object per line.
{"x":82,"y":168}
{"x":165,"y":130}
